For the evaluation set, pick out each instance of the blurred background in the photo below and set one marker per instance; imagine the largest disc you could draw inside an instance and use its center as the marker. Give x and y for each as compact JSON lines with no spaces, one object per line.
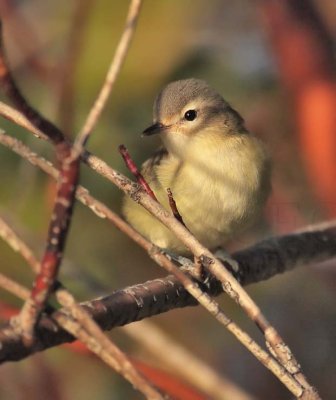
{"x":274,"y":61}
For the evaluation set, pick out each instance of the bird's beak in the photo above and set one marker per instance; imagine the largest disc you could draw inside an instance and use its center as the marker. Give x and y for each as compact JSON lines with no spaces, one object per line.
{"x":154,"y":129}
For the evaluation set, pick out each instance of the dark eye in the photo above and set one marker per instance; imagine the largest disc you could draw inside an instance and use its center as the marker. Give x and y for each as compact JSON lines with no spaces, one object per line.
{"x":190,"y":115}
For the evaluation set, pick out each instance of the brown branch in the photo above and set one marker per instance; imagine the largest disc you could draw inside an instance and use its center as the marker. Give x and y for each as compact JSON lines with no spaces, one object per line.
{"x":9,"y":236}
{"x":130,"y":164}
{"x":57,"y":234}
{"x":90,"y":333}
{"x":62,"y":212}
{"x":83,"y":327}
{"x":262,"y":261}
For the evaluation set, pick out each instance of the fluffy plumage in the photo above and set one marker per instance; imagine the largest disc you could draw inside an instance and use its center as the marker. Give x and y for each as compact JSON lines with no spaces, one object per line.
{"x":218,"y":172}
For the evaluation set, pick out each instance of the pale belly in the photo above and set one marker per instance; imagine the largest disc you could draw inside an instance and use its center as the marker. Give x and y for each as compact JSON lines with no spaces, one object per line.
{"x":214,"y":209}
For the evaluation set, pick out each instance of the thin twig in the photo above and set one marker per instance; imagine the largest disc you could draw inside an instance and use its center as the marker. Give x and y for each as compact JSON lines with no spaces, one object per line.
{"x":13,"y":287}
{"x":112,"y":74}
{"x":9,"y":236}
{"x":102,"y":346}
{"x":13,"y":115}
{"x":130,"y":164}
{"x":90,"y":333}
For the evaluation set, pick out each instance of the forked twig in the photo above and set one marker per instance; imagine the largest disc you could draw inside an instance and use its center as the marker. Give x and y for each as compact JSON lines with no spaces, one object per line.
{"x":130,"y":164}
{"x":90,"y":333}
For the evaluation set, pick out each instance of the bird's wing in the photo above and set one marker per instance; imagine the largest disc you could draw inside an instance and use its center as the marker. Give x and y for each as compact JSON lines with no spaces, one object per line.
{"x":148,"y":168}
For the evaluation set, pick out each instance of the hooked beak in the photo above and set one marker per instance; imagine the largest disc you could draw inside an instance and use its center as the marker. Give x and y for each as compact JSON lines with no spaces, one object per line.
{"x":154,"y":129}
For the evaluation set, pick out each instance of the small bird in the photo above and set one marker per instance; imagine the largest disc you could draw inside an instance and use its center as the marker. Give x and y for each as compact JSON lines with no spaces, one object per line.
{"x":217,"y":171}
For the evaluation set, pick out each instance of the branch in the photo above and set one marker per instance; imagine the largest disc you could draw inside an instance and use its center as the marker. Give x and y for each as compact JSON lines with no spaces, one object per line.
{"x":63,"y":205}
{"x":257,"y":263}
{"x":79,"y":323}
{"x":130,"y":164}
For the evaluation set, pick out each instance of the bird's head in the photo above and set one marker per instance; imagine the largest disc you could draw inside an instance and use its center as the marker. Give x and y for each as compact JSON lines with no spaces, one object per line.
{"x":190,"y":107}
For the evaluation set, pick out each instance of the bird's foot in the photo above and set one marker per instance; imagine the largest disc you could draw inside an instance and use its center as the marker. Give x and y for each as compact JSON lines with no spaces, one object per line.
{"x":227,"y":260}
{"x":194,"y":268}
{"x":183,"y":262}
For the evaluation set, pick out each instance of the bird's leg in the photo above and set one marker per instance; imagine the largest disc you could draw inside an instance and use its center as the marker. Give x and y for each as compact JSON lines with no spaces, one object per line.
{"x":195,"y":269}
{"x":199,"y":270}
{"x":227,"y":260}
{"x":184,"y":262}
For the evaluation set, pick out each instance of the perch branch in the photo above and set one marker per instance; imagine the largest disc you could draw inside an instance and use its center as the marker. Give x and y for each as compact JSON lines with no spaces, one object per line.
{"x":262,"y":261}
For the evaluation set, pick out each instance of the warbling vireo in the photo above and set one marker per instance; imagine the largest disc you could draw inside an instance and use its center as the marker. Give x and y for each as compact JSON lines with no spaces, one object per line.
{"x":218,"y":172}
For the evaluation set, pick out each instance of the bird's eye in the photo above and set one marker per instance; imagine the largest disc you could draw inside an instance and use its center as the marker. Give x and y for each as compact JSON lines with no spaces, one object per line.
{"x":190,"y":115}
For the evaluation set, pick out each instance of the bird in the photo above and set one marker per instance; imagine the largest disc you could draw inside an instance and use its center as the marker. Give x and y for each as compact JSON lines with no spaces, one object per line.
{"x":217,"y":171}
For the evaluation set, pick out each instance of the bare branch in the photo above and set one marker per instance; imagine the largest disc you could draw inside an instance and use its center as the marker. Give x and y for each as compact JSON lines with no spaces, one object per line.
{"x":63,"y":206}
{"x":257,"y":263}
{"x":13,"y":287}
{"x":83,"y":327}
{"x":90,"y":333}
{"x":9,"y":236}
{"x":130,"y":164}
